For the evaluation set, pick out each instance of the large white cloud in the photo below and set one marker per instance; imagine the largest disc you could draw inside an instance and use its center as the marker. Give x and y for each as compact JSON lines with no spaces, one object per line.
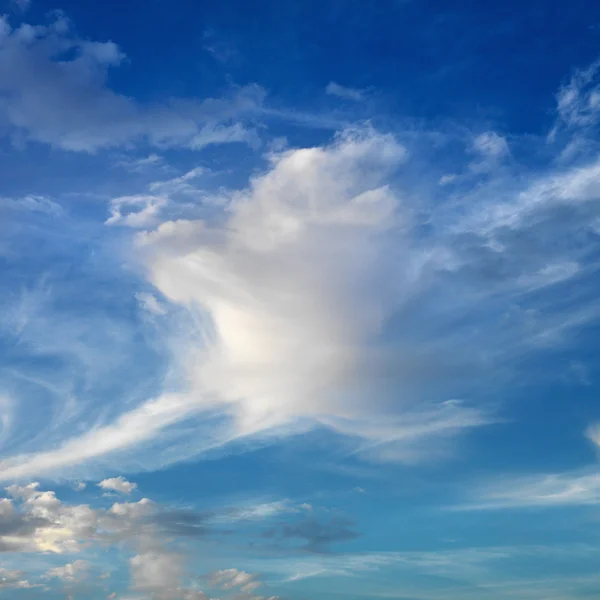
{"x":312,"y":300}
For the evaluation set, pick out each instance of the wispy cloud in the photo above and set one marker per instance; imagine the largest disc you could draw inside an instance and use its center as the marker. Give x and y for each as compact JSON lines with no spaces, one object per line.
{"x":348,"y":93}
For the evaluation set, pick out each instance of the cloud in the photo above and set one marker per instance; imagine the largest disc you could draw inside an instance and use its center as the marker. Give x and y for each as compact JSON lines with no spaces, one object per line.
{"x":245,"y":584}
{"x":118,"y":484}
{"x":293,"y":341}
{"x":137,"y":211}
{"x":55,"y":91}
{"x":137,"y":165}
{"x":490,"y":148}
{"x":578,"y":101}
{"x":315,"y":296}
{"x":10,"y":579}
{"x":348,"y":93}
{"x":569,"y":489}
{"x":70,"y":572}
{"x":572,"y":488}
{"x":32,"y":203}
{"x":149,"y":533}
{"x":314,"y":535}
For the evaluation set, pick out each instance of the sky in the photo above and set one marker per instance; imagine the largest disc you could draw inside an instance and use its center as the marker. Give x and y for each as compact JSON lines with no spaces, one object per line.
{"x":298,"y":300}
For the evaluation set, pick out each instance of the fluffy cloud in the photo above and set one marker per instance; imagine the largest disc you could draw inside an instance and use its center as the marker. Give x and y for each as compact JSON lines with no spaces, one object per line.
{"x":118,"y":484}
{"x":66,"y":102}
{"x":33,"y":520}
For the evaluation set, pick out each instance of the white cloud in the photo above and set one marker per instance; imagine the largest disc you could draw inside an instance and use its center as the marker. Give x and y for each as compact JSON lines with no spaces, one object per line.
{"x":231,"y":578}
{"x":348,"y":93}
{"x":571,"y":187}
{"x":578,"y":102}
{"x":568,"y":489}
{"x":491,"y":149}
{"x":70,"y":572}
{"x":156,"y":571}
{"x":137,"y":211}
{"x":447,"y":179}
{"x":572,"y":488}
{"x":137,"y":165}
{"x":69,"y":104}
{"x":490,"y":144}
{"x":32,"y":203}
{"x":118,"y":484}
{"x":287,"y":293}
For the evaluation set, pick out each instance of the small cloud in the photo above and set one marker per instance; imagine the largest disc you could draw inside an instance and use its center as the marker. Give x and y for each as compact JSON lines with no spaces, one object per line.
{"x":137,"y":211}
{"x":223,"y":51}
{"x":578,"y":102}
{"x":32,"y":203}
{"x":118,"y":484}
{"x":139,"y":164}
{"x":69,"y":572}
{"x":490,"y":149}
{"x":447,"y":179}
{"x":490,"y":144}
{"x":21,"y":5}
{"x":150,"y":303}
{"x":210,"y":135}
{"x":79,"y":486}
{"x":348,"y":93}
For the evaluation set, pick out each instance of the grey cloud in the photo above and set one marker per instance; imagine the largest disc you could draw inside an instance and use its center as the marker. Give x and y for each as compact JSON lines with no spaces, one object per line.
{"x":49,"y":97}
{"x":314,"y":535}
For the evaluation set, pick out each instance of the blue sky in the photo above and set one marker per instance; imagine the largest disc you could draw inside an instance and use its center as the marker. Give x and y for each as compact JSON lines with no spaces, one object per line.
{"x":298,"y":300}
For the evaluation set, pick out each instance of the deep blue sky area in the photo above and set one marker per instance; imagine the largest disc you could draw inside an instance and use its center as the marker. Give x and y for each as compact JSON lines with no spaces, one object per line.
{"x":465,"y":60}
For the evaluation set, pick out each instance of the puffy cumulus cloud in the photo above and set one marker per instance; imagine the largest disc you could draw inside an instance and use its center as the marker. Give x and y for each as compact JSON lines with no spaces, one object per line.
{"x":117,"y":484}
{"x":54,"y":90}
{"x":33,"y":520}
{"x":157,"y":572}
